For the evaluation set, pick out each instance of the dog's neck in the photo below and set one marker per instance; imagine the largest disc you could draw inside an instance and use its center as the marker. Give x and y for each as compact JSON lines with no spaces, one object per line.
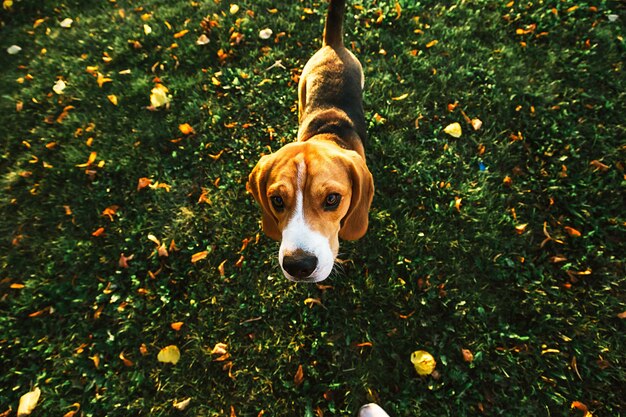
{"x":351,"y":143}
{"x":333,"y":125}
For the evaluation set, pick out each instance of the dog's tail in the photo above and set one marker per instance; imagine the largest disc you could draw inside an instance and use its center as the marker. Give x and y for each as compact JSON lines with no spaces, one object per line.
{"x":333,"y":29}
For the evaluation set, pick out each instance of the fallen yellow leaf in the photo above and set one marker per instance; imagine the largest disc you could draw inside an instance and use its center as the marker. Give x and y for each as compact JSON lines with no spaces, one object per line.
{"x":113,"y":99}
{"x":169,"y":354}
{"x":454,"y":130}
{"x":423,"y":362}
{"x":402,"y":97}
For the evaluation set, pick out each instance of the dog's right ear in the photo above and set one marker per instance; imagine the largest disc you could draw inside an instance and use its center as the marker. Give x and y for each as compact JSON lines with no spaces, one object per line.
{"x":257,"y":186}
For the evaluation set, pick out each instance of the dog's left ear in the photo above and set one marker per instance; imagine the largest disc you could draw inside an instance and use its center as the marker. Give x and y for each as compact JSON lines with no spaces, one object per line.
{"x":354,"y":224}
{"x":257,"y":186}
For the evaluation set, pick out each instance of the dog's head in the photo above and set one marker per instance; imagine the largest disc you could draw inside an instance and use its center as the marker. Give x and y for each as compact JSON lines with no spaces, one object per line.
{"x":312,"y":193}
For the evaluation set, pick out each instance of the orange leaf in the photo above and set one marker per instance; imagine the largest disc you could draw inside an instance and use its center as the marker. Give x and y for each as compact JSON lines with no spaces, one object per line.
{"x":220,"y":268}
{"x":579,"y":406}
{"x":16,"y":286}
{"x":572,"y":232}
{"x":109,"y":211}
{"x":432,"y":43}
{"x":96,"y":360}
{"x":177,"y":325}
{"x":216,"y":156}
{"x":127,"y":362}
{"x":622,"y":315}
{"x":143,"y":349}
{"x":162,"y":251}
{"x":72,"y":413}
{"x":199,"y":256}
{"x":186,"y":129}
{"x":181,"y":33}
{"x":468,"y":356}
{"x":599,"y":165}
{"x":123,"y":262}
{"x":143,"y":183}
{"x":90,"y":160}
{"x":98,"y":232}
{"x":364,"y":344}
{"x":299,"y":376}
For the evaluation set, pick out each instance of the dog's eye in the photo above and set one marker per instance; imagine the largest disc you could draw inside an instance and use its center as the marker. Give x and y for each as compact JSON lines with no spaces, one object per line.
{"x":277,"y":202}
{"x":332,"y":201}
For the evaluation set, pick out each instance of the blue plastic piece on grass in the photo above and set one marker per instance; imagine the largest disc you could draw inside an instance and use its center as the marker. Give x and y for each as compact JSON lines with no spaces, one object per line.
{"x":481,"y":166}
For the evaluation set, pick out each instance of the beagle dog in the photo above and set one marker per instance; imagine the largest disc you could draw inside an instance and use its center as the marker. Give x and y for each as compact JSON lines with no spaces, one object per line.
{"x":318,"y":189}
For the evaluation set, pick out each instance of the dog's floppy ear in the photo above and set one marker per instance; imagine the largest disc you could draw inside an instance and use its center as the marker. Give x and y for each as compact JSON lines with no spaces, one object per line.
{"x":354,"y":223}
{"x":257,"y":185}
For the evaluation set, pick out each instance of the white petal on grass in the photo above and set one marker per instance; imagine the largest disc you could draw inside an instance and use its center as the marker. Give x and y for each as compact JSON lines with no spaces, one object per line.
{"x":265,"y":33}
{"x":66,"y":23}
{"x":147,"y":29}
{"x":159,"y":96}
{"x":14,"y":49}
{"x":182,"y":404}
{"x":59,"y":86}
{"x":202,"y":40}
{"x":28,"y":402}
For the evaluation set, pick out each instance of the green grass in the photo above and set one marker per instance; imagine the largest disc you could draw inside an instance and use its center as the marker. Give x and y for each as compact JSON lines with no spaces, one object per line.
{"x":544,"y":331}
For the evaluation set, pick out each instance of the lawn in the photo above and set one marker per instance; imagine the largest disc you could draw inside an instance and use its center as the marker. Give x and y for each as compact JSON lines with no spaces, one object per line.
{"x":126,"y":142}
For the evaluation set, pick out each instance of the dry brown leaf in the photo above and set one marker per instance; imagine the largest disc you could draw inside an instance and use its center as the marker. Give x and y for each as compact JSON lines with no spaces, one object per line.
{"x":299,"y":376}
{"x":468,"y":356}
{"x":599,"y":165}
{"x":123,"y":261}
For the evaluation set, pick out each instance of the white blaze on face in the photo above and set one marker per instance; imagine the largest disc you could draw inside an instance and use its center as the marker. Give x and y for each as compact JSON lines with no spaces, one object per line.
{"x":299,"y":235}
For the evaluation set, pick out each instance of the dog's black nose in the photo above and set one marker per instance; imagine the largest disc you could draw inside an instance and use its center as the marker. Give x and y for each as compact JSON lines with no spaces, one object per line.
{"x":299,"y":264}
